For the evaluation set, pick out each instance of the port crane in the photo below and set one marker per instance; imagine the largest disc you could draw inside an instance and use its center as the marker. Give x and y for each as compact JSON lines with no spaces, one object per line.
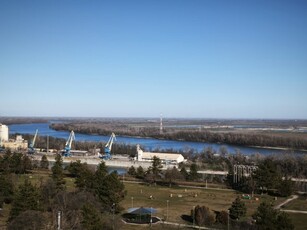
{"x":31,"y":149}
{"x":66,"y":151}
{"x":108,"y":147}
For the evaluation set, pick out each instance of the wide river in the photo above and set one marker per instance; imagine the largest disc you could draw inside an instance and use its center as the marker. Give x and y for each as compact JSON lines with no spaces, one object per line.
{"x":148,"y":143}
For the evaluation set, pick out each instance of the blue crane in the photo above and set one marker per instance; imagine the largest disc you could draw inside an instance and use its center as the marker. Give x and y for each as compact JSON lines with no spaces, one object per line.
{"x":66,"y":151}
{"x":108,"y":147}
{"x":31,"y":149}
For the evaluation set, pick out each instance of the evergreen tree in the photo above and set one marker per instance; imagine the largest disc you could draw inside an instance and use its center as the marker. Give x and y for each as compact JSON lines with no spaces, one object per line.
{"x":284,"y":221}
{"x":268,"y":218}
{"x":6,"y":189}
{"x":101,"y":171}
{"x":110,"y":189}
{"x":156,"y":167}
{"x":140,"y":173}
{"x":193,"y":175}
{"x":265,"y":216}
{"x":286,"y":187}
{"x":184,"y":173}
{"x":58,"y":172}
{"x":85,"y":179}
{"x":267,"y":175}
{"x":75,"y":168}
{"x":26,"y":198}
{"x":91,"y":218}
{"x":44,"y":162}
{"x":237,"y":209}
{"x":132,"y":171}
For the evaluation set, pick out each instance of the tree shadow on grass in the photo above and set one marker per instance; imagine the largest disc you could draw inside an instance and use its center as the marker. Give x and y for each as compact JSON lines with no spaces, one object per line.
{"x":187,"y":218}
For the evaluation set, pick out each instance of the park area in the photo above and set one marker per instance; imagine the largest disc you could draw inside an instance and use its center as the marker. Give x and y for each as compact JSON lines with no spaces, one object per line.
{"x":174,"y":204}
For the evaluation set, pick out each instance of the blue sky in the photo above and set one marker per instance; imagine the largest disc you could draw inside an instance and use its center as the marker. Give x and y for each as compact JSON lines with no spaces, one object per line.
{"x":202,"y":59}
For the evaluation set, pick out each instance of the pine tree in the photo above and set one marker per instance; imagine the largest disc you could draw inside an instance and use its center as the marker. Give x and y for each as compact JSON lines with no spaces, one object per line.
{"x":132,"y":171}
{"x":267,"y":175}
{"x":58,"y":172}
{"x":6,"y":189}
{"x":156,"y":167}
{"x":268,"y":218}
{"x":140,"y":173}
{"x":237,"y":209}
{"x":44,"y":162}
{"x":91,"y":218}
{"x":110,"y":189}
{"x":193,"y":175}
{"x":184,"y":173}
{"x":26,"y":198}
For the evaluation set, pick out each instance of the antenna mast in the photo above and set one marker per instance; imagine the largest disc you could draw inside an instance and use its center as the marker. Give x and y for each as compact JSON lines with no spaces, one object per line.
{"x":161,"y":124}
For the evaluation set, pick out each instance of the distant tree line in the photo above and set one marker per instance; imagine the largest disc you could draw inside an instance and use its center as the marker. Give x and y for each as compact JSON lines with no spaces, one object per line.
{"x":232,"y":138}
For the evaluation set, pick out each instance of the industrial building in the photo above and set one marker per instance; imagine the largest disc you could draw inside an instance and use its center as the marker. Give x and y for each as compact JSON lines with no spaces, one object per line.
{"x":166,"y":158}
{"x":4,"y":133}
{"x":18,"y":144}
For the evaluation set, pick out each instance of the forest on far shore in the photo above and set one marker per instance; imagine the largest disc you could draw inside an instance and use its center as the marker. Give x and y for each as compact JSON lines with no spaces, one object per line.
{"x":295,"y":141}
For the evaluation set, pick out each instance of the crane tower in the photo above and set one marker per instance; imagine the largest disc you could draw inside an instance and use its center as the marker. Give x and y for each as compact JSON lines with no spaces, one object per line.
{"x":66,"y":151}
{"x":31,"y":149}
{"x":108,"y":147}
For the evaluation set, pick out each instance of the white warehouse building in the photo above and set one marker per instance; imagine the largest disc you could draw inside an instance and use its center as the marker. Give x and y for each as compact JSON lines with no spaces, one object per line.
{"x":4,"y":133}
{"x":167,"y":158}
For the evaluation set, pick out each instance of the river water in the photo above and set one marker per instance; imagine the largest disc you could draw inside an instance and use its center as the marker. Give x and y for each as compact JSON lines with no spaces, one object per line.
{"x":148,"y":144}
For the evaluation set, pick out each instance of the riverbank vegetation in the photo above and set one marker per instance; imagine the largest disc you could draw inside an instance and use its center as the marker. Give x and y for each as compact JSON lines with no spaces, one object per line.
{"x":241,"y":137}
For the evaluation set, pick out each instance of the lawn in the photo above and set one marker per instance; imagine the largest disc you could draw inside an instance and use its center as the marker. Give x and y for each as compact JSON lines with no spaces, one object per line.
{"x":297,"y":204}
{"x":299,"y":220}
{"x":181,"y":200}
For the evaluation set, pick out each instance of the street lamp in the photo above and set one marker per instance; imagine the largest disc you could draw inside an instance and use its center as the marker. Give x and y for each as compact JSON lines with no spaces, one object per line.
{"x":150,"y":216}
{"x":167,"y":209}
{"x":131,"y":202}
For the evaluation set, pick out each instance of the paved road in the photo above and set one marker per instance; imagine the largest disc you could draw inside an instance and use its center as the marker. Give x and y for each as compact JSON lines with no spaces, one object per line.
{"x":288,"y":210}
{"x":294,"y":211}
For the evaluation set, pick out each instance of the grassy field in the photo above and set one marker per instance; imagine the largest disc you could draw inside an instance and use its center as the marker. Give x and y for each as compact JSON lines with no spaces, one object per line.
{"x":181,"y":200}
{"x":297,"y":204}
{"x":299,"y":220}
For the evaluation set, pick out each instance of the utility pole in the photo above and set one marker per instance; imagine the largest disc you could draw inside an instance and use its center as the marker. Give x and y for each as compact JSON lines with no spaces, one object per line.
{"x":47,"y":144}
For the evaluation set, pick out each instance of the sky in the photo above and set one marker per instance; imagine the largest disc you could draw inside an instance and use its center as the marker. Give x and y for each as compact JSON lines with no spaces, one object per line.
{"x":181,"y":58}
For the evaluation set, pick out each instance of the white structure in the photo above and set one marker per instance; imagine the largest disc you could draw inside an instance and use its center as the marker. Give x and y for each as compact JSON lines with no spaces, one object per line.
{"x":4,"y":133}
{"x":166,"y":158}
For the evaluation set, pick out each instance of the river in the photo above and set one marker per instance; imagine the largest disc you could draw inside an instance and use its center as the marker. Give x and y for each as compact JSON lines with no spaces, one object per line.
{"x":148,"y":143}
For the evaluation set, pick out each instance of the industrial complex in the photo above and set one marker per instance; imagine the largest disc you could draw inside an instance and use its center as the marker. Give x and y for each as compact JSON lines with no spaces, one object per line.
{"x":18,"y":144}
{"x":142,"y":158}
